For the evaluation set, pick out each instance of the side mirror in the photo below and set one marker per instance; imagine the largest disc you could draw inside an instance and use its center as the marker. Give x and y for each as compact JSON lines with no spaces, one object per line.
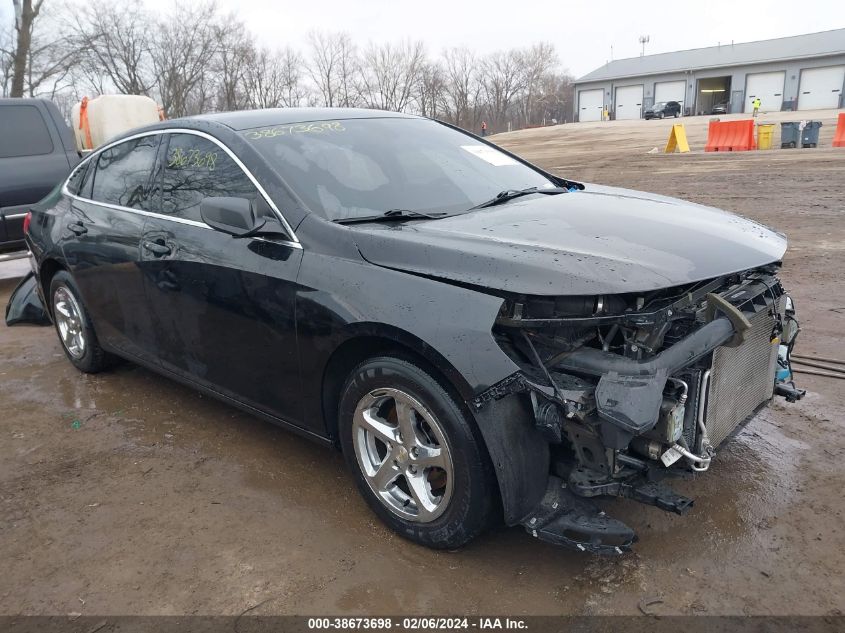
{"x":234,"y":216}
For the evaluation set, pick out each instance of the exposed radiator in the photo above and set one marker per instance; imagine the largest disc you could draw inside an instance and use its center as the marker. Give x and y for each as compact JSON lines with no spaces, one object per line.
{"x":741,"y":378}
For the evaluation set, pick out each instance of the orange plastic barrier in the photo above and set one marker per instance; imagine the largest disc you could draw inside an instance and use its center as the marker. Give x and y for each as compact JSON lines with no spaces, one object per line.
{"x":839,"y":135}
{"x":730,"y":136}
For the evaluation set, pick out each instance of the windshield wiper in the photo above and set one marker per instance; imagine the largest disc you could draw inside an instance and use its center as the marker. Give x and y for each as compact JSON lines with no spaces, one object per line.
{"x":392,"y":215}
{"x":510,"y":194}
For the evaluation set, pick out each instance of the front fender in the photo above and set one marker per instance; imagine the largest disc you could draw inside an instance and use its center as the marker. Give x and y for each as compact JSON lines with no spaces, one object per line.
{"x":450,"y":326}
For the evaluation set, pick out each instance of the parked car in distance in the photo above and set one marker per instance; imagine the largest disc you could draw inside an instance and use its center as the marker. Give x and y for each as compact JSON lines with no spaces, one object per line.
{"x":719,"y":108}
{"x":482,"y":339}
{"x":663,"y":109}
{"x":37,"y":152}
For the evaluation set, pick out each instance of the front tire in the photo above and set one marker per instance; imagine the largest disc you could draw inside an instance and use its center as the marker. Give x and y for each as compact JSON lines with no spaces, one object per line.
{"x":73,"y":325}
{"x":414,"y":455}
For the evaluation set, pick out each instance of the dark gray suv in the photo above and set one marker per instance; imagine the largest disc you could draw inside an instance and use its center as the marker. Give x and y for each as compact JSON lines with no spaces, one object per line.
{"x":37,"y":152}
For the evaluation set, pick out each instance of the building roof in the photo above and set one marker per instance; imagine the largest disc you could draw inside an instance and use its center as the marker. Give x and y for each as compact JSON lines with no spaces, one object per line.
{"x":246,"y":119}
{"x":783,"y":48}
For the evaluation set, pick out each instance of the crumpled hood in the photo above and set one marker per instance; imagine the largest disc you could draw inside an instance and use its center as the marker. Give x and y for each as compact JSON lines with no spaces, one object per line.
{"x":602,"y":240}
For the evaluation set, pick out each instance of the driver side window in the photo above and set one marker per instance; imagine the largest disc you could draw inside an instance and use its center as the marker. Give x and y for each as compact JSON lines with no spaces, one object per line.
{"x":192,"y":168}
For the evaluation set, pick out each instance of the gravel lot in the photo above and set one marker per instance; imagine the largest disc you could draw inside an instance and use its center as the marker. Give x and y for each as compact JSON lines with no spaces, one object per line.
{"x":125,"y":493}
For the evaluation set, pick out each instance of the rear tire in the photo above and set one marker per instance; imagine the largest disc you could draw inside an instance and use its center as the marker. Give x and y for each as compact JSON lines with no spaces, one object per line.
{"x":414,"y":455}
{"x":74,"y":327}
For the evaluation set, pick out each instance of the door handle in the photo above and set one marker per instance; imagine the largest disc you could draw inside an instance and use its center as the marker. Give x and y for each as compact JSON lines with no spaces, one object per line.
{"x":77,"y":227}
{"x":156,"y":248}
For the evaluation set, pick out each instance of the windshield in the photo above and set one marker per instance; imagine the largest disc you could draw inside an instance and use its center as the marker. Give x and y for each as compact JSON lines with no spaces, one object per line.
{"x":660,"y":105}
{"x":364,"y":167}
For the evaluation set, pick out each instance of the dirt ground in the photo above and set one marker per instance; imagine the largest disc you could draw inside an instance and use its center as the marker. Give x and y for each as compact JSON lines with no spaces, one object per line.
{"x":125,"y":493}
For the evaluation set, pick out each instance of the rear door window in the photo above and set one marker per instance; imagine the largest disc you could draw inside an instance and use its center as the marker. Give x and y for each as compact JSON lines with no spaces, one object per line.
{"x":194,"y":168}
{"x":23,"y":132}
{"x":123,"y":173}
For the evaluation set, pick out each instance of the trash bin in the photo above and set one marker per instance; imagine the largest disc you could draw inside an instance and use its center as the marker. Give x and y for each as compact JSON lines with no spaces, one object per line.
{"x":765,"y":132}
{"x":790,"y":134}
{"x":810,"y":134}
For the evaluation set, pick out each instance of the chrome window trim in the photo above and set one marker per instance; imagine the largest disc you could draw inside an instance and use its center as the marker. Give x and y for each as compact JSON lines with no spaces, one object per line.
{"x":294,"y":241}
{"x":15,"y":216}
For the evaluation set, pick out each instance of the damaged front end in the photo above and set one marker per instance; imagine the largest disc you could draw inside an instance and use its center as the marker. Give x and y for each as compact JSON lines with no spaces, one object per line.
{"x":627,"y":389}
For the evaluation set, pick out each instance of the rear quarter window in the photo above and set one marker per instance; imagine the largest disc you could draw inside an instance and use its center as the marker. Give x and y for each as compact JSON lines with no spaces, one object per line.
{"x":23,"y":132}
{"x":74,"y":183}
{"x":123,"y":173}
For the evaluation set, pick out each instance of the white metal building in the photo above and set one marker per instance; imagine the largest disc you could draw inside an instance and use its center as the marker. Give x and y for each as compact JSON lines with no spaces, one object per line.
{"x":804,"y":72}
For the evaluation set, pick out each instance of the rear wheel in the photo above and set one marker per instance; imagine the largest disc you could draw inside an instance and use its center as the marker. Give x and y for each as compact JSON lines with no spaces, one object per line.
{"x":73,"y":325}
{"x":414,"y":455}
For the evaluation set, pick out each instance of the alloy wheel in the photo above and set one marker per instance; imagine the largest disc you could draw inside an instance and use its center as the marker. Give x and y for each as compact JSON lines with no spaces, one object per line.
{"x":69,"y":322}
{"x":403,"y":454}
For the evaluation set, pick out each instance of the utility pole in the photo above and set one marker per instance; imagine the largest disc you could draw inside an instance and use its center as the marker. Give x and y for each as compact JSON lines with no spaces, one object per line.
{"x":644,"y":39}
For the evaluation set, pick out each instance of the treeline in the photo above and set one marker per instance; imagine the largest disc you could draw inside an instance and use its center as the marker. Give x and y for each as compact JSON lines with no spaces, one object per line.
{"x":196,"y":59}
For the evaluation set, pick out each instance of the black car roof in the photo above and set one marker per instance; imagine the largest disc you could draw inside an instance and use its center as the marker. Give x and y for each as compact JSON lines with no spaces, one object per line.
{"x":246,"y":119}
{"x":249,"y":119}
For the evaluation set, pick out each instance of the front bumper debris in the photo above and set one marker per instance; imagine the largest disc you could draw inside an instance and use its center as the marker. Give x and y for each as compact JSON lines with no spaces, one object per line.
{"x":565,"y":519}
{"x":25,"y":305}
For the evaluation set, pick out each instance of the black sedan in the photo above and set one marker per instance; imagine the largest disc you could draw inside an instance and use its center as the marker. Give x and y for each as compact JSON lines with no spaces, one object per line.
{"x":482,"y":339}
{"x":663,"y":109}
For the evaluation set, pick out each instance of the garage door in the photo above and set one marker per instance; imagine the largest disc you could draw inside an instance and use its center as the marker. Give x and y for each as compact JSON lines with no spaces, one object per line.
{"x":820,"y":87}
{"x":629,"y":102}
{"x":670,"y":91}
{"x":768,"y":87}
{"x":590,"y":105}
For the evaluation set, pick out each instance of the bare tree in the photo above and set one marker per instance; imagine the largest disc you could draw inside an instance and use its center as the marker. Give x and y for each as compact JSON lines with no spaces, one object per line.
{"x":502,"y":77}
{"x":462,"y":87}
{"x":235,"y":55}
{"x":430,"y":89}
{"x":115,"y":42}
{"x":41,"y":58}
{"x":183,"y":52}
{"x":24,"y":28}
{"x":193,"y":59}
{"x":291,"y":64}
{"x":554,"y":100}
{"x":539,"y":60}
{"x":389,"y":74}
{"x":7,"y":57}
{"x":334,"y":67}
{"x":274,"y":79}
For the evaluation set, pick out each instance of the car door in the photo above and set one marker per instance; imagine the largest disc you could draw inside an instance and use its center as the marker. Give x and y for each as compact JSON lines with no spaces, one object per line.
{"x":109,"y":196}
{"x":222,"y":307}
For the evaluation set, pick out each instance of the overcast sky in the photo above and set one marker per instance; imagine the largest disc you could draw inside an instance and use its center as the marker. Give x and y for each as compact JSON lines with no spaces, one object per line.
{"x":582,"y":31}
